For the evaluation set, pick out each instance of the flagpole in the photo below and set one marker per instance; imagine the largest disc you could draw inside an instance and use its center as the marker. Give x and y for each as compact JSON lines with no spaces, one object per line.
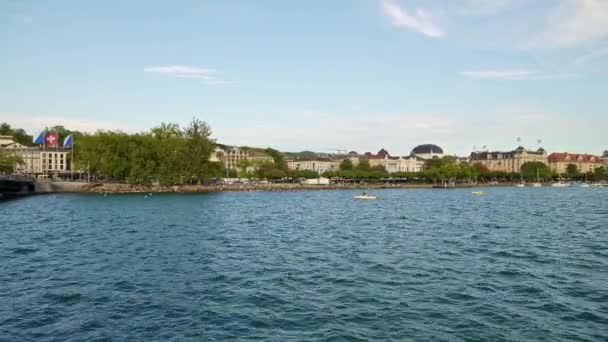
{"x":72,"y":161}
{"x":44,"y":156}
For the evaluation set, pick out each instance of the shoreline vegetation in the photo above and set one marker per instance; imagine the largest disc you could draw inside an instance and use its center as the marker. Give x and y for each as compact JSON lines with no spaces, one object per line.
{"x":170,"y":156}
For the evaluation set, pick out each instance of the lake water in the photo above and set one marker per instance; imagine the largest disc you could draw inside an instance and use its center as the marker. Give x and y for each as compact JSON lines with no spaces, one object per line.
{"x":415,"y":265}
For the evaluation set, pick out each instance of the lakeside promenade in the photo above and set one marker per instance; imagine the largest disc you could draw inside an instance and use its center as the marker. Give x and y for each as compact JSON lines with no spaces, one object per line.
{"x":125,"y":188}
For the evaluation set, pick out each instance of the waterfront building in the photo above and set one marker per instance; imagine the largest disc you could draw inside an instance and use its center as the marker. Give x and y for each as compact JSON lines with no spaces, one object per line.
{"x":383,"y":158}
{"x":217,"y":155}
{"x":427,"y":151}
{"x":510,"y":161}
{"x":37,"y":161}
{"x":232,"y":157}
{"x":404,"y":164}
{"x":394,"y":164}
{"x":605,"y":158}
{"x":558,"y":162}
{"x":259,"y":157}
{"x":318,"y":165}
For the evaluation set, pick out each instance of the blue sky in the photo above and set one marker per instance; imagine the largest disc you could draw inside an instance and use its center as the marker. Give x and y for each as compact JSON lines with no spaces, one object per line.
{"x":319,"y":75}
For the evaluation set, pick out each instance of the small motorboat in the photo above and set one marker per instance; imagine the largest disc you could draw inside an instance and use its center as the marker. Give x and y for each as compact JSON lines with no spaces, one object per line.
{"x":365,"y":196}
{"x":584,"y":185}
{"x":477,"y":193}
{"x":537,"y":185}
{"x":520,"y":185}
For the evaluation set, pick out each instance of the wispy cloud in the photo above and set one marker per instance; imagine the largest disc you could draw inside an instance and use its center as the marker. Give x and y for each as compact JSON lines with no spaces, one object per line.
{"x":418,"y":20}
{"x":591,"y":56}
{"x":574,"y":23}
{"x":515,"y":74}
{"x":182,"y":71}
{"x":484,"y":7}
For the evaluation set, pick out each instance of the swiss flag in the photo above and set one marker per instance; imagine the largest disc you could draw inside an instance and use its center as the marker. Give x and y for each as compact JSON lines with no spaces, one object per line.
{"x":51,"y":139}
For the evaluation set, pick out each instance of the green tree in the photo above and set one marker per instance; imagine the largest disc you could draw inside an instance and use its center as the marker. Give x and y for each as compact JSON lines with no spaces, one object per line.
{"x":8,"y":163}
{"x":346,"y":164}
{"x":600,"y":173}
{"x":166,"y":154}
{"x":480,"y":168}
{"x":167,"y":131}
{"x":572,"y":171}
{"x":308,"y":174}
{"x":278,"y":158}
{"x":197,"y":150}
{"x":19,"y":135}
{"x":363,"y":165}
{"x":530,"y":169}
{"x":242,"y":167}
{"x":275,"y":174}
{"x":5,"y":129}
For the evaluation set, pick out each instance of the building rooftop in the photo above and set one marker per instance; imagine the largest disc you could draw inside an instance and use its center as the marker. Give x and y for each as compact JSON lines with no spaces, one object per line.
{"x":565,"y":156}
{"x":427,"y":149}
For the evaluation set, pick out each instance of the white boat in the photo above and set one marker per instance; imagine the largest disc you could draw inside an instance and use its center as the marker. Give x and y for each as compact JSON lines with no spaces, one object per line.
{"x":520,"y":185}
{"x":365,"y":196}
{"x":536,"y":185}
{"x":561,"y":183}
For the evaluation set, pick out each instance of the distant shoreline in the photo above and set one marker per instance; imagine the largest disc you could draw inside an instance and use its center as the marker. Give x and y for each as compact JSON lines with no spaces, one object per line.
{"x":126,"y":189}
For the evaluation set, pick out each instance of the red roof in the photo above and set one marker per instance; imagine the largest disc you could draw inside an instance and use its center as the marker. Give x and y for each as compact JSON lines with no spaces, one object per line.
{"x":562,"y":156}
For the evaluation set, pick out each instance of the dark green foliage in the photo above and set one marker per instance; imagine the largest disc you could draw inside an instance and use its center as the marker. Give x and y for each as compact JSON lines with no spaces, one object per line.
{"x":529,"y":170}
{"x":167,"y":154}
{"x":572,"y":171}
{"x":7,"y":163}
{"x":363,"y":165}
{"x":18,"y":134}
{"x":278,"y":158}
{"x":600,"y":173}
{"x":346,"y":164}
{"x":448,"y":168}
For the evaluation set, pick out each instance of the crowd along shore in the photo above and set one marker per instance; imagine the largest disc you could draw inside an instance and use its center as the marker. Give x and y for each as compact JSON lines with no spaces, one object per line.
{"x":118,"y":188}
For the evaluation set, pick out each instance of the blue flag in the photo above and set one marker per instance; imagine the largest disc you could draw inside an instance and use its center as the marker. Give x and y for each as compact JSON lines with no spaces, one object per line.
{"x":68,"y":141}
{"x":40,"y":139}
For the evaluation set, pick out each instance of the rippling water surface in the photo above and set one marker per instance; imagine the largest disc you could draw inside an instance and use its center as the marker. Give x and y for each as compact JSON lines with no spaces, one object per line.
{"x":512,"y":265}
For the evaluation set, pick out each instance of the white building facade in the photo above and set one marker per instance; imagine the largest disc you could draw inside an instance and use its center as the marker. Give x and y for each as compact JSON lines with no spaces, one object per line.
{"x":320,"y":166}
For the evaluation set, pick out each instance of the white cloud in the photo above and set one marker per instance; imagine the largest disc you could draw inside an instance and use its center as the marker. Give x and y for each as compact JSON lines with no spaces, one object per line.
{"x":420,"y":20}
{"x":575,"y":23}
{"x":515,"y":74}
{"x":183,"y":72}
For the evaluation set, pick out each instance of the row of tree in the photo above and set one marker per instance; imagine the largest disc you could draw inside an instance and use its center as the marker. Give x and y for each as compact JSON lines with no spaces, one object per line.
{"x":169,"y":154}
